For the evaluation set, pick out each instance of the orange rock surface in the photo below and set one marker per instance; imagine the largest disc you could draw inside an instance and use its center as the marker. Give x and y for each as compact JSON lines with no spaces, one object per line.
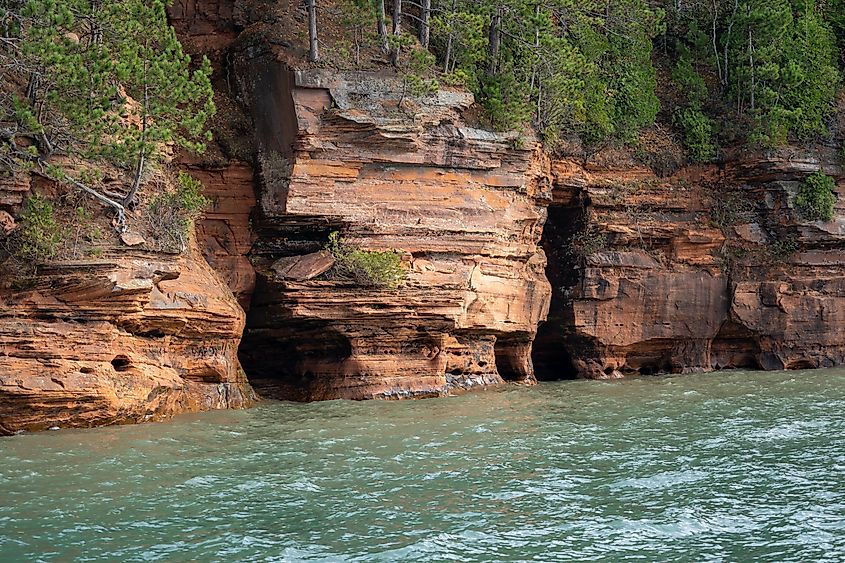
{"x":225,"y":233}
{"x":350,"y":152}
{"x":135,"y":338}
{"x":707,"y":268}
{"x":703,"y":270}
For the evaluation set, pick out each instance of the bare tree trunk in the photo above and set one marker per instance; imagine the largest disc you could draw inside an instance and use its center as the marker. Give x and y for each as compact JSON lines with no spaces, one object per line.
{"x":450,"y":38}
{"x":142,"y":156}
{"x":357,"y":48}
{"x":536,"y":51}
{"x":494,"y":39}
{"x":728,"y":42}
{"x":96,"y":29}
{"x":120,"y":224}
{"x":540,"y":120}
{"x":425,"y":30}
{"x":751,"y":62}
{"x":397,"y":17}
{"x":448,"y":52}
{"x":382,"y":26}
{"x":397,"y":30}
{"x":715,"y":45}
{"x":314,"y":49}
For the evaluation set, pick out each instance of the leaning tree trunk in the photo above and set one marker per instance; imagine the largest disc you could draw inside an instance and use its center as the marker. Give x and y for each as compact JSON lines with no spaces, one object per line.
{"x":450,"y":37}
{"x":397,"y":30}
{"x":493,"y":49}
{"x":130,"y":199}
{"x":382,"y":26}
{"x":314,"y":49}
{"x":425,"y":30}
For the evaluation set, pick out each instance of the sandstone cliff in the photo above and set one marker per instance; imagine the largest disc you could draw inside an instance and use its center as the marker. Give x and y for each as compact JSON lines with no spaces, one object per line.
{"x":123,"y":335}
{"x":707,"y":268}
{"x":355,"y":152}
{"x":710,"y":268}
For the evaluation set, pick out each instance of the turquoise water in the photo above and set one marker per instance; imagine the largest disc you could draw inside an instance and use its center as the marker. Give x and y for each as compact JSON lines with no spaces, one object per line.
{"x":721,"y":467}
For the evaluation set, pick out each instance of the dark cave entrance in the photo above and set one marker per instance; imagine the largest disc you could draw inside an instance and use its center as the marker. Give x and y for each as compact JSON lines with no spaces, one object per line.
{"x":513,"y":358}
{"x":552,"y":351}
{"x":286,"y":356}
{"x":735,"y":347}
{"x":288,"y":362}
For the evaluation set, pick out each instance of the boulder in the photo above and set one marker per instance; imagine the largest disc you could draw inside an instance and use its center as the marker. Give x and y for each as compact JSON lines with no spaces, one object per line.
{"x":303,"y":268}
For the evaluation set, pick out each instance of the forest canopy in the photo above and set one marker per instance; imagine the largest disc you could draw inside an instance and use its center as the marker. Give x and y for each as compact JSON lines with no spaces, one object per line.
{"x":109,"y":80}
{"x":725,"y":71}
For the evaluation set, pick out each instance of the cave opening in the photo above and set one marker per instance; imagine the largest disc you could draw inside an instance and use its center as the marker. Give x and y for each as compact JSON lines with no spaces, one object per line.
{"x":283,"y":354}
{"x":121,"y":363}
{"x":512,"y":359}
{"x":735,"y":347}
{"x":286,"y":361}
{"x":552,"y":353}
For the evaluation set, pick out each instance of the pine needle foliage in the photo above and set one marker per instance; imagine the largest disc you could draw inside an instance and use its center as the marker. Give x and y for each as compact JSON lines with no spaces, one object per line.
{"x":38,"y":236}
{"x":816,"y":198}
{"x":104,"y":80}
{"x":367,"y":268}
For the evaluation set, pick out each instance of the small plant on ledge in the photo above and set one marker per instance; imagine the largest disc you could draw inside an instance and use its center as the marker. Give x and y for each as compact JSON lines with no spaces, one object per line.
{"x":816,"y":198}
{"x":39,"y":236}
{"x":171,"y":214}
{"x":367,"y":268}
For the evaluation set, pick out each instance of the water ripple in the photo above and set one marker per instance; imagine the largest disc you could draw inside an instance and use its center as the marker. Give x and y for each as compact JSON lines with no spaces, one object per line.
{"x":719,"y":467}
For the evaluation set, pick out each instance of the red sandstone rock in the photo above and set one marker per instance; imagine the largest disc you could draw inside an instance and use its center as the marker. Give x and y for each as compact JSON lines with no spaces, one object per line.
{"x":7,"y":223}
{"x":336,"y":149}
{"x":665,"y":291}
{"x":135,"y":338}
{"x":303,"y":268}
{"x":225,"y":233}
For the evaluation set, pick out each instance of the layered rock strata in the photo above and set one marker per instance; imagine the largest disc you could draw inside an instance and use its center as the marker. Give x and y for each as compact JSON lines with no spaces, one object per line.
{"x":709,"y":268}
{"x":357,"y":153}
{"x":225,"y":233}
{"x":128,"y":337}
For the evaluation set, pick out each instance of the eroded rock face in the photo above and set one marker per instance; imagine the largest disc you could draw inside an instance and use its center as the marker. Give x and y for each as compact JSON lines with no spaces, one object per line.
{"x":793,"y":299}
{"x":135,"y":338}
{"x":710,"y":268}
{"x":350,"y":152}
{"x":225,"y":233}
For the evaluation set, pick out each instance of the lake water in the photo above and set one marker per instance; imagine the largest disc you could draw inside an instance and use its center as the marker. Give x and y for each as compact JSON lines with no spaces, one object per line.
{"x":722,"y":467}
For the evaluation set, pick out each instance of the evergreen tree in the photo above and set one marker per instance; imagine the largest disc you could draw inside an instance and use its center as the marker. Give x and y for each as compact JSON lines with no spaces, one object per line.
{"x":783,"y":64}
{"x":106,"y":80}
{"x":572,"y":66}
{"x":834,"y":13}
{"x":776,"y":60}
{"x":174,"y":103}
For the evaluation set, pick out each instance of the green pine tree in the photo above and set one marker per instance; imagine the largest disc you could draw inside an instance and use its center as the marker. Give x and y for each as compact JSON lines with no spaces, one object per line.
{"x":106,"y":80}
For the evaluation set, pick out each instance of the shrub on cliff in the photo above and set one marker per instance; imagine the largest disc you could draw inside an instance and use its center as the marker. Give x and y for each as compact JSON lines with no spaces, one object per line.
{"x":171,"y":215}
{"x":816,"y":198}
{"x":698,"y":133}
{"x":698,"y":129}
{"x":38,"y":236}
{"x":367,"y":268}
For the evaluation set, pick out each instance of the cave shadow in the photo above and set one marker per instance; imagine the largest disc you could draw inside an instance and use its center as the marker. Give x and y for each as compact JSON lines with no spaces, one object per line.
{"x":552,"y":352}
{"x":288,"y":362}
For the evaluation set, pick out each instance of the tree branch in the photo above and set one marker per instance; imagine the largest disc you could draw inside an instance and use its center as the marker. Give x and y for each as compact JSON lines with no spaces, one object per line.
{"x":121,"y":211}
